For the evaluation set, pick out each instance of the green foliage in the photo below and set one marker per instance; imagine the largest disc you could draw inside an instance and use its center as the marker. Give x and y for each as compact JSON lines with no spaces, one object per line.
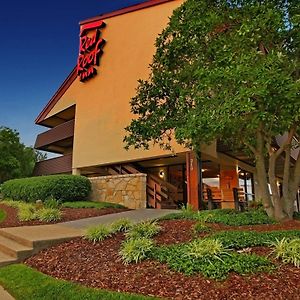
{"x":121,"y":225}
{"x":48,"y":214}
{"x":97,"y":233}
{"x":60,"y":187}
{"x":288,"y":250}
{"x":2,"y":215}
{"x":16,"y":159}
{"x":220,"y":69}
{"x":11,"y":203}
{"x":52,"y":203}
{"x":200,"y":227}
{"x":243,"y":239}
{"x":23,"y":282}
{"x":136,"y":250}
{"x":206,"y":249}
{"x":216,"y":267}
{"x":146,"y":229}
{"x":225,"y":216}
{"x":26,"y":212}
{"x":225,"y":70}
{"x":30,"y":211}
{"x":91,"y":204}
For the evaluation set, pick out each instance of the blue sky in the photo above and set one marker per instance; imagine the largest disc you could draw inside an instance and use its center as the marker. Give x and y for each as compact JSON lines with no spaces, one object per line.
{"x":38,"y":49}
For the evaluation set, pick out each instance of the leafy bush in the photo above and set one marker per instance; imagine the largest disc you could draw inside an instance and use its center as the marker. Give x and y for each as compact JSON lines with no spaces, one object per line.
{"x":11,"y":203}
{"x":48,"y":214}
{"x":26,"y":212}
{"x":200,"y":227}
{"x":225,"y":216}
{"x":60,"y":187}
{"x":243,"y":239}
{"x":91,"y":204}
{"x":136,"y":250}
{"x":121,"y":225}
{"x":288,"y":251}
{"x":216,"y":267}
{"x":146,"y":229}
{"x":97,"y":233}
{"x":206,"y":249}
{"x":52,"y":203}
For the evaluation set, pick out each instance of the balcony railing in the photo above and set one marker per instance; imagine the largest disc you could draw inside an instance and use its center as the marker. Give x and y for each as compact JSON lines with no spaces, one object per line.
{"x":54,"y":135}
{"x":57,"y":165}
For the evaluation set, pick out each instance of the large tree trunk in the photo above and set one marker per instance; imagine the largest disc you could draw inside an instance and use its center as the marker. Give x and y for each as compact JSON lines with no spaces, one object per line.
{"x":279,"y":213}
{"x":263,"y":185}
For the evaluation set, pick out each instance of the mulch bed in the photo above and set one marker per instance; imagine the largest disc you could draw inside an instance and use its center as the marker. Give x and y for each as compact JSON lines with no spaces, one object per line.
{"x":68,"y":214}
{"x":99,"y":265}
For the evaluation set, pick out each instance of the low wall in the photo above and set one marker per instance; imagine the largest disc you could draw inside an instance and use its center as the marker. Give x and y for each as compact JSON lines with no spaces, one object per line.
{"x":128,"y":190}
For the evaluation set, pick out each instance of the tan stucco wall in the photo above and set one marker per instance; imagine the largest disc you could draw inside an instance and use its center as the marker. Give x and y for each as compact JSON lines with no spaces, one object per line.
{"x":66,"y":101}
{"x":102,"y":103}
{"x":128,"y":190}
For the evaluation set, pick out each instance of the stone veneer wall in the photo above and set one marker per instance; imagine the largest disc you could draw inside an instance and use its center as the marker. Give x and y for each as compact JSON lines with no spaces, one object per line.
{"x":128,"y":190}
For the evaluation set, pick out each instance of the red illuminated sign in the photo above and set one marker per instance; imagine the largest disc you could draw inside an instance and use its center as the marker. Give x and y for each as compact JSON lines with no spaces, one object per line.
{"x":90,"y":50}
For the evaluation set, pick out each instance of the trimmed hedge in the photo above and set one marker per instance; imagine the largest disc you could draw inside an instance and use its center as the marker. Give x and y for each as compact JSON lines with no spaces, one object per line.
{"x":61,"y":187}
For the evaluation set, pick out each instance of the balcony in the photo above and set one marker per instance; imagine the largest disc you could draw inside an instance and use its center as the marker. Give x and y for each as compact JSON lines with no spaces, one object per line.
{"x":56,"y":139}
{"x":58,"y":165}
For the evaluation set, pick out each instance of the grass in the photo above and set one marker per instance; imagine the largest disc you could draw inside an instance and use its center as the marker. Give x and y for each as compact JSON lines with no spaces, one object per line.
{"x":90,"y":204}
{"x":2,"y":215}
{"x":23,"y":282}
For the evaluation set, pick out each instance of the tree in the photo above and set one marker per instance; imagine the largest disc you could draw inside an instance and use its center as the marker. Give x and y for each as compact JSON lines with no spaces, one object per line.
{"x":16,"y":160}
{"x":228,"y":70}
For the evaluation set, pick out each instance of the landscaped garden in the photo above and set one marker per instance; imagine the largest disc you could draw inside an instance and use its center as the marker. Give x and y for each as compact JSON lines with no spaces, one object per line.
{"x":219,"y":254}
{"x":49,"y":199}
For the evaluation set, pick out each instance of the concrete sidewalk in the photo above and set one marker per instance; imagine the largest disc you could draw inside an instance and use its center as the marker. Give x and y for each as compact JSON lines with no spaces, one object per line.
{"x":4,"y":295}
{"x":18,"y":243}
{"x":133,"y":215}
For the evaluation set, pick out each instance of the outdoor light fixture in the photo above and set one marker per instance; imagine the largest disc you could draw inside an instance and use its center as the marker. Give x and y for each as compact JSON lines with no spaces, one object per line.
{"x":161,"y":174}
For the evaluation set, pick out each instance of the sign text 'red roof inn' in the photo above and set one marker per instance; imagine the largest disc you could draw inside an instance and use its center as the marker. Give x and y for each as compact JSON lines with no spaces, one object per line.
{"x":90,"y":50}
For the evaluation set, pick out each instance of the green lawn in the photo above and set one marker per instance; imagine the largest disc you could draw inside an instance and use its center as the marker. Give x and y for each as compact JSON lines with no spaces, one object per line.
{"x":2,"y":215}
{"x":90,"y":204}
{"x":24,"y":283}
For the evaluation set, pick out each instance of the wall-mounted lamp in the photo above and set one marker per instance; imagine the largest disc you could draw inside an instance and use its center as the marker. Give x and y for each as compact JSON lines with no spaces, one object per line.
{"x":161,"y":174}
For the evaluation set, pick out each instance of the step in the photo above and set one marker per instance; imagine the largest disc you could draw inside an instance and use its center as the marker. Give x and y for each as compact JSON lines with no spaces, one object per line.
{"x":14,"y":249}
{"x":6,"y":259}
{"x":18,"y":238}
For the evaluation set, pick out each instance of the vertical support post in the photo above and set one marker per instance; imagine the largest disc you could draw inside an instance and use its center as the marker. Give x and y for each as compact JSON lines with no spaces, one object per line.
{"x":194,"y":181}
{"x":236,"y":199}
{"x":200,"y":185}
{"x":209,"y":199}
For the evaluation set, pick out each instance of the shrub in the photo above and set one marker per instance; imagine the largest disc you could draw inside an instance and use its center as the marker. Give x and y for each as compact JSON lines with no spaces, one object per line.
{"x":206,"y":249}
{"x":243,"y":239}
{"x":288,"y":251}
{"x":11,"y":203}
{"x":121,"y":225}
{"x":48,"y":214}
{"x":215,"y":267}
{"x":60,"y":187}
{"x":146,"y":229}
{"x":225,"y":216}
{"x":26,"y":212}
{"x":200,"y":227}
{"x":52,"y":203}
{"x":135,"y":250}
{"x":97,"y":233}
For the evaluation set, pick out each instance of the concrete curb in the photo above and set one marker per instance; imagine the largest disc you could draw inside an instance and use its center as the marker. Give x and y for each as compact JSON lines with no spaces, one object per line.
{"x":4,"y":295}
